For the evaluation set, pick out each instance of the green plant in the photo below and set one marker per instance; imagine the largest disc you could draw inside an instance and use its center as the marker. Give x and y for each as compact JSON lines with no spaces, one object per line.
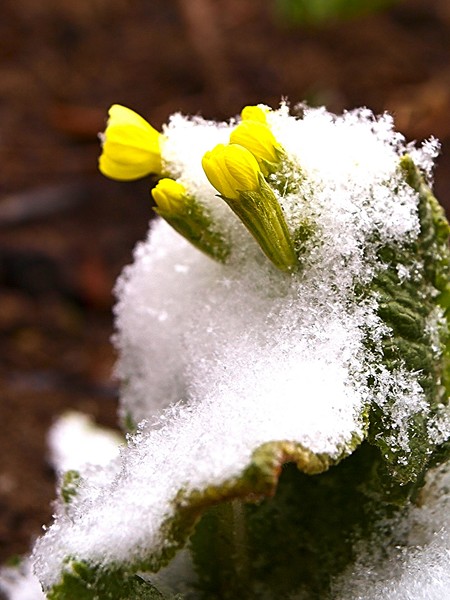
{"x":285,"y":376}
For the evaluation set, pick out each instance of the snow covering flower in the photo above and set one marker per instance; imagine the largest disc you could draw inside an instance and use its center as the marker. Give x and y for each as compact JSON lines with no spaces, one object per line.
{"x":232,"y":169}
{"x":232,"y":369}
{"x":131,"y":146}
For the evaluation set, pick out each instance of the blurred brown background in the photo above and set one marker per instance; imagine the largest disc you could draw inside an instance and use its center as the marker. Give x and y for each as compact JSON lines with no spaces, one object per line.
{"x":66,"y":232}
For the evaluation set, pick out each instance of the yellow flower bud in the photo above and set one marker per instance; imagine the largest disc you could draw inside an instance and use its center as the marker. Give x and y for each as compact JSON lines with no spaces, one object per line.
{"x":259,"y":140}
{"x":255,"y":113}
{"x":236,"y":174}
{"x":231,"y":169}
{"x":131,"y":146}
{"x":169,"y":195}
{"x":191,"y":219}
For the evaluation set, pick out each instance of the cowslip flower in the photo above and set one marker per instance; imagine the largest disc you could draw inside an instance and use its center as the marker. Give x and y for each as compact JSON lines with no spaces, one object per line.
{"x":237,"y":176}
{"x":231,"y":169}
{"x":131,"y":147}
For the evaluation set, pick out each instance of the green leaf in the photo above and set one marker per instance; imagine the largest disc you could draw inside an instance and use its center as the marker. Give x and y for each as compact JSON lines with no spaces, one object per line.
{"x":408,"y":307}
{"x":82,"y":582}
{"x":294,"y":542}
{"x":90,"y":582}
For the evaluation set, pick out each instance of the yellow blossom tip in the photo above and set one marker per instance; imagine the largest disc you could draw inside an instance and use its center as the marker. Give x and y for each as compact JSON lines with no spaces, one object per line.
{"x":131,"y":147}
{"x":255,"y":113}
{"x":231,"y":169}
{"x":258,"y":139}
{"x":169,"y":195}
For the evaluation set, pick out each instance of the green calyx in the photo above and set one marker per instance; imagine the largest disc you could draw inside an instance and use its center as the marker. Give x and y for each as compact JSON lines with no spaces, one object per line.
{"x":194,"y":223}
{"x":263,"y":216}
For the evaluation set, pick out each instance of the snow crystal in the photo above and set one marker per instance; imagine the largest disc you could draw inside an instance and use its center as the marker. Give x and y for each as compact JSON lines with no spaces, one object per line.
{"x":216,"y":360}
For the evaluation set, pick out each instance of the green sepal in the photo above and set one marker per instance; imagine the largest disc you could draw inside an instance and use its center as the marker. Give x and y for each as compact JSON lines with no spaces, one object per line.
{"x":193,"y":222}
{"x":287,"y":178}
{"x":263,"y":216}
{"x":269,"y":167}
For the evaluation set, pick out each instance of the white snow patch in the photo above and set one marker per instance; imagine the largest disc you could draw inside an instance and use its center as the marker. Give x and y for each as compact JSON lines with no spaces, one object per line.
{"x":19,"y":583}
{"x":75,"y":441}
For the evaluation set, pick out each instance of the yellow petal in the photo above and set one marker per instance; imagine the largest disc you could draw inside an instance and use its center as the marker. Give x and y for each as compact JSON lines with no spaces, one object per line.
{"x":130,"y":154}
{"x":258,"y":139}
{"x":127,"y":127}
{"x":169,"y":195}
{"x":121,"y":115}
{"x":243,"y":167}
{"x":120,"y":171}
{"x":255,"y":113}
{"x":216,"y":171}
{"x":131,"y":146}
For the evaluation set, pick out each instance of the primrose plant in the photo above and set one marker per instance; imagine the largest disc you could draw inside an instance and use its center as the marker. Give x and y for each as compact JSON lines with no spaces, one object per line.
{"x":284,"y":357}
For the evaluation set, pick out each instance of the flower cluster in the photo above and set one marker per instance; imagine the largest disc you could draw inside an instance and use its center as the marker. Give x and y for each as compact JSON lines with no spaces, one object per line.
{"x":239,"y":171}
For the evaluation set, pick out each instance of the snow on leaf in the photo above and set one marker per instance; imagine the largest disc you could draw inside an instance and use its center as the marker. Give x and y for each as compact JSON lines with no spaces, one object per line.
{"x":232,"y":370}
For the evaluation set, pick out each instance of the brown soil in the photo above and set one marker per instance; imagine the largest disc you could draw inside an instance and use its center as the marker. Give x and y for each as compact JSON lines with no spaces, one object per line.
{"x":66,"y":232}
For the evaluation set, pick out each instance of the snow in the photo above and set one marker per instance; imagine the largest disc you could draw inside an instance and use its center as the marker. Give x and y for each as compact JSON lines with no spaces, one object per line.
{"x":74,"y":442}
{"x":19,"y":583}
